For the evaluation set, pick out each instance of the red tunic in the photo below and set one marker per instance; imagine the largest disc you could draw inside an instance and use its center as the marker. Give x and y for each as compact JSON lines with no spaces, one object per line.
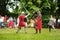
{"x":21,"y":21}
{"x":10,"y":24}
{"x":38,"y":23}
{"x":5,"y":18}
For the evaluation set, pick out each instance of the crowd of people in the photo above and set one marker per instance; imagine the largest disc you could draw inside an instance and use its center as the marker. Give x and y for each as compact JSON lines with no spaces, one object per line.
{"x":6,"y":21}
{"x":22,"y":21}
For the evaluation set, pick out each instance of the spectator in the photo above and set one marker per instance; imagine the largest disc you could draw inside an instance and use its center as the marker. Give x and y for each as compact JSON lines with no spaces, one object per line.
{"x":5,"y":20}
{"x":1,"y":21}
{"x":10,"y":22}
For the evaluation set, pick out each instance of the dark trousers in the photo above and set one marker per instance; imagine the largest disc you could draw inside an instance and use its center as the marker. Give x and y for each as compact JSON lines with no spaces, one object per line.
{"x":38,"y":30}
{"x":50,"y":27}
{"x":19,"y":28}
{"x":2,"y":24}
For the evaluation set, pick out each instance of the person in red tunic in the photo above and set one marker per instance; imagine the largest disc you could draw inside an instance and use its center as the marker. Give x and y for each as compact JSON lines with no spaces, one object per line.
{"x":22,"y":22}
{"x":38,"y":22}
{"x":5,"y":20}
{"x":10,"y":22}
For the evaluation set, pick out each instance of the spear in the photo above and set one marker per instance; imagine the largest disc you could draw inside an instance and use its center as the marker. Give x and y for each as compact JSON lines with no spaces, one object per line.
{"x":27,"y":11}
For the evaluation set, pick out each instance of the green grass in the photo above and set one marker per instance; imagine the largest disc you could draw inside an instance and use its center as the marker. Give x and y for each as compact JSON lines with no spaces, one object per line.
{"x":10,"y":34}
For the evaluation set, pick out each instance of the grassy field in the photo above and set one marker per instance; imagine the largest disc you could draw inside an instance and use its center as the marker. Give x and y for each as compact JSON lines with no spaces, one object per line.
{"x":10,"y":34}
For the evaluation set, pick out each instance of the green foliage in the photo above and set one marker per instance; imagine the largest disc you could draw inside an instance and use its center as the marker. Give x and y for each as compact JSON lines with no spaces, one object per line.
{"x":46,"y":7}
{"x":34,"y":8}
{"x":35,"y":5}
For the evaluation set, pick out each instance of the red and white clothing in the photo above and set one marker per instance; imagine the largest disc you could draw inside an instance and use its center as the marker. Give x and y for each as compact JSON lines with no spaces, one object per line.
{"x":38,"y":23}
{"x":10,"y":22}
{"x":5,"y":18}
{"x":21,"y":20}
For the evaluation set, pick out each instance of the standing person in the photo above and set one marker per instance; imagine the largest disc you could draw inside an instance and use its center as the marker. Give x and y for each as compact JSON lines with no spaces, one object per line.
{"x":22,"y":22}
{"x":14,"y":22}
{"x":1,"y":21}
{"x":58,"y":23}
{"x":10,"y":22}
{"x":5,"y":20}
{"x":31,"y":23}
{"x":51,"y":23}
{"x":38,"y":22}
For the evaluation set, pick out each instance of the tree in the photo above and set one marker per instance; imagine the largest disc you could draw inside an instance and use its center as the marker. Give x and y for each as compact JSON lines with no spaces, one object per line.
{"x":3,"y":4}
{"x":45,"y":6}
